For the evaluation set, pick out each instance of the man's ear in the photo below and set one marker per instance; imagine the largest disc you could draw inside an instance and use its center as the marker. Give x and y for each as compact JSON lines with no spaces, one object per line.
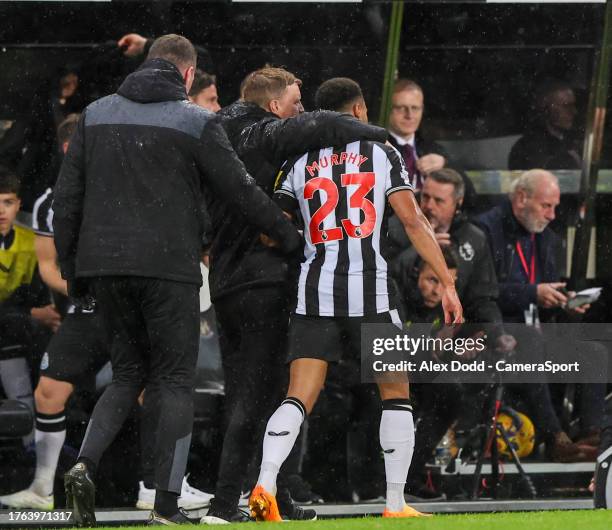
{"x":273,"y":106}
{"x":189,"y":77}
{"x":459,"y":205}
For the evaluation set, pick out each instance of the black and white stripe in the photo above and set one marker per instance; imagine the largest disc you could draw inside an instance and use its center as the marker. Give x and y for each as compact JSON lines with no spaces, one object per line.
{"x":347,"y":276}
{"x":42,"y":215}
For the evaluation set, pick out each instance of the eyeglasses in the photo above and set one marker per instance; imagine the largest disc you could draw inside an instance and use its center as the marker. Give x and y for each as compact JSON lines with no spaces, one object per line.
{"x":404,"y":109}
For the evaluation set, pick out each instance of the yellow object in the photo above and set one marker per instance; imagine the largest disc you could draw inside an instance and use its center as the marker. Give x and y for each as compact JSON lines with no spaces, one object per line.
{"x":17,"y":263}
{"x":520,"y":432}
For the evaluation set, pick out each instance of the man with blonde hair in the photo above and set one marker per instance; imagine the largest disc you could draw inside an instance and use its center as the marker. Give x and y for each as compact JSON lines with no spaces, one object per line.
{"x":251,"y":285}
{"x":275,"y":90}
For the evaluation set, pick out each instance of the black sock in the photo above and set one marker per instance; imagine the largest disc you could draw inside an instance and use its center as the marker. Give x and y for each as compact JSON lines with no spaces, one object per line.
{"x":91,"y":467}
{"x":166,"y":503}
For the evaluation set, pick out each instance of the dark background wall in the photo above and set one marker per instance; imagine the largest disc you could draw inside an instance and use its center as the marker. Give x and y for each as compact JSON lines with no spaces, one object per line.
{"x":478,"y":63}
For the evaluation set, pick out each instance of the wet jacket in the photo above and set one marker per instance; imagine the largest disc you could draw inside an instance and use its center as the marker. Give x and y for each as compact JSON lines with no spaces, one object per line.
{"x":130,"y":194}
{"x":238,"y":259}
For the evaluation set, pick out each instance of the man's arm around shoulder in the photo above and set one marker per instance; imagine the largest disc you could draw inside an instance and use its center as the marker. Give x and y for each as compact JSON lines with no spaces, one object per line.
{"x":228,"y":178}
{"x":278,"y":139}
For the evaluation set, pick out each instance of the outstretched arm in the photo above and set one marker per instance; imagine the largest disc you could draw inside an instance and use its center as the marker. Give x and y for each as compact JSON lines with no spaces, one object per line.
{"x":424,"y":241}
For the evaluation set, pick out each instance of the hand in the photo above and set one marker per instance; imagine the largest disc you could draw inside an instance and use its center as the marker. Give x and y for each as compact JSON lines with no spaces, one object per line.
{"x":267,"y":241}
{"x":132,"y":44}
{"x":453,"y":312}
{"x":47,"y":315}
{"x":78,"y":291}
{"x":579,"y":310}
{"x":443,"y":239}
{"x":548,"y":295}
{"x":472,"y":352}
{"x":428,"y":163}
{"x":505,"y":344}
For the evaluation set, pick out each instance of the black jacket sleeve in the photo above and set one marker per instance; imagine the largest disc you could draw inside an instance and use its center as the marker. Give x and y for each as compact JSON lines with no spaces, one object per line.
{"x":278,"y":140}
{"x":228,"y":178}
{"x":482,"y":291}
{"x":68,"y":202}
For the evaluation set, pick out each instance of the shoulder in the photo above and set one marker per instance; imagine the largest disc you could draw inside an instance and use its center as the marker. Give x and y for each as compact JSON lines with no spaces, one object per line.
{"x":549,"y":237}
{"x":24,"y":236}
{"x":489,"y":218}
{"x":387,"y":150}
{"x":473,"y":231}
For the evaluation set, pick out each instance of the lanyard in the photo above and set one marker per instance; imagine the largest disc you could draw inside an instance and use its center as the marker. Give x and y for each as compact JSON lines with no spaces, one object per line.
{"x":530,"y":272}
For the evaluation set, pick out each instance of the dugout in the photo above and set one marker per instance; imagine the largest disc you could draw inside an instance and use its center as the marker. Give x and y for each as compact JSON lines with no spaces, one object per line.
{"x":479,"y":64}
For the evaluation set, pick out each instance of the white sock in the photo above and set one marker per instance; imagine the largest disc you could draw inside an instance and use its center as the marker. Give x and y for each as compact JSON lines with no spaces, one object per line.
{"x":397,"y":442}
{"x":15,"y":377}
{"x":49,"y":443}
{"x":282,"y":430}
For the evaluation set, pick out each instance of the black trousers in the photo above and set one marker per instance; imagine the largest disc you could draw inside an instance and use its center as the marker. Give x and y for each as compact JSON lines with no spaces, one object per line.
{"x":153,"y":328}
{"x":253,"y":338}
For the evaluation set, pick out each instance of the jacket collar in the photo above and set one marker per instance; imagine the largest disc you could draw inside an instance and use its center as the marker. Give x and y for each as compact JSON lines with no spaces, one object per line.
{"x":7,"y":241}
{"x":155,"y":81}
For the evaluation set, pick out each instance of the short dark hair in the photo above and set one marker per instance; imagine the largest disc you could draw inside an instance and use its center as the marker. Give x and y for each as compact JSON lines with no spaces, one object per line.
{"x":337,"y":93}
{"x":66,"y":129}
{"x":266,"y":84}
{"x":174,"y":48}
{"x":9,"y":181}
{"x":201,"y":81}
{"x":446,"y":175}
{"x":450,"y":257}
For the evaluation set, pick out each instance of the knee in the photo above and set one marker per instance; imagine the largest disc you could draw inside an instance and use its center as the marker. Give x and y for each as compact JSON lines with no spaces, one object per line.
{"x":51,"y":393}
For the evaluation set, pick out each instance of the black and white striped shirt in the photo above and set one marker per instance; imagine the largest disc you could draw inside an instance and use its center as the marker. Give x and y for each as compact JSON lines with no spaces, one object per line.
{"x":341,"y":194}
{"x":42,"y":215}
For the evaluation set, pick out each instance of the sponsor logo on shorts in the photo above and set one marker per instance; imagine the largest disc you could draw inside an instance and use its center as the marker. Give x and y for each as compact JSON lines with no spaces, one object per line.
{"x":44,"y":362}
{"x":282,"y":433}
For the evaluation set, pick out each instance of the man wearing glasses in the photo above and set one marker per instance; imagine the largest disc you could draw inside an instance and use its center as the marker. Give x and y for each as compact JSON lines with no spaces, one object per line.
{"x":421,"y":157}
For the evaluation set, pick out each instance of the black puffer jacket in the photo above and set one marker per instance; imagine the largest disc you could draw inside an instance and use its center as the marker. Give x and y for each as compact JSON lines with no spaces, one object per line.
{"x":238,"y":260}
{"x":129,"y":197}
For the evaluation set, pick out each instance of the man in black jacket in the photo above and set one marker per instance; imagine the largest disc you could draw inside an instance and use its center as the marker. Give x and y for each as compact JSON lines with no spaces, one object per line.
{"x":252,"y":285}
{"x":441,"y":200}
{"x":128,"y":224}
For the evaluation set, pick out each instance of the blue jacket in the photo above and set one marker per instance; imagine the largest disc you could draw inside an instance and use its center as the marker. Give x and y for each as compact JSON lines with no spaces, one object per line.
{"x":502,"y":231}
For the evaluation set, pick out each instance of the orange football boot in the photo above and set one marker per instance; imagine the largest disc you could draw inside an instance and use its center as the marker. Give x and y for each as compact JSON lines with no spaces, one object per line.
{"x":263,"y":505}
{"x":406,"y":512}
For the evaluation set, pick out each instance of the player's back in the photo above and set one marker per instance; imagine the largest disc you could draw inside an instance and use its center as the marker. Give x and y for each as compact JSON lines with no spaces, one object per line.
{"x":342,"y":196}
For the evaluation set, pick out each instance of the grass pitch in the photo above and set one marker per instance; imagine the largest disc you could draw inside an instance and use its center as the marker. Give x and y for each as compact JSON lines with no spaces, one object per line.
{"x":557,"y":520}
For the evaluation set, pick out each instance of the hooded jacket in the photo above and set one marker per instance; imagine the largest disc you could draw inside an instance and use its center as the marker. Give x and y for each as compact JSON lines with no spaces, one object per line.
{"x":130,"y":194}
{"x":263,"y":141}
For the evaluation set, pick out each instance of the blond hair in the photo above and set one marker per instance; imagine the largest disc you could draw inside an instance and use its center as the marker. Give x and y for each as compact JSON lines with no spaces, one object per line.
{"x":266,"y":84}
